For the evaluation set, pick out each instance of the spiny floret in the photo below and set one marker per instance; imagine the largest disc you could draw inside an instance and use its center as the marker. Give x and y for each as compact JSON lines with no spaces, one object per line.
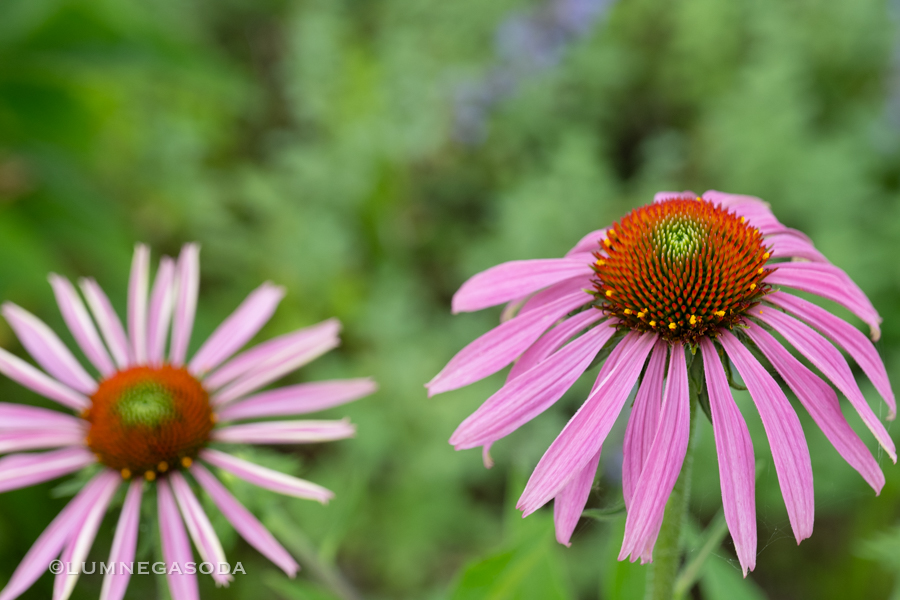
{"x":682,"y":268}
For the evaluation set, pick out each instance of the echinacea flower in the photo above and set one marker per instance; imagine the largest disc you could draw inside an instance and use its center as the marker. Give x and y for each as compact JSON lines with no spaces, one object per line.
{"x":686,"y":277}
{"x":151,"y":418}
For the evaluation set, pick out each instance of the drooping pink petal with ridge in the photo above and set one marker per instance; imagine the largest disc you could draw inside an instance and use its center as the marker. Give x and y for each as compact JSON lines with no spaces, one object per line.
{"x":244,"y":522}
{"x":285,"y":432}
{"x":663,"y":464}
{"x":844,"y":335}
{"x":49,"y":437}
{"x":511,"y":280}
{"x":756,"y":211}
{"x":238,"y":329}
{"x":501,"y":345}
{"x":16,"y":417}
{"x":124,"y":544}
{"x":267,"y":478}
{"x":734,"y":449}
{"x":551,"y":341}
{"x":556,"y":292}
{"x":77,"y":548}
{"x":108,"y":322}
{"x":47,"y":349}
{"x":785,"y":245}
{"x":22,"y":470}
{"x":831,"y":363}
{"x":137,"y":303}
{"x":201,"y":530}
{"x":186,"y":303}
{"x":643,"y":422}
{"x":569,"y":503}
{"x":585,"y":432}
{"x":533,"y":392}
{"x":822,"y":404}
{"x":24,"y":374}
{"x":298,"y":399}
{"x":589,"y":243}
{"x":176,"y":549}
{"x":80,"y":324}
{"x":159,"y":319}
{"x":789,"y":450}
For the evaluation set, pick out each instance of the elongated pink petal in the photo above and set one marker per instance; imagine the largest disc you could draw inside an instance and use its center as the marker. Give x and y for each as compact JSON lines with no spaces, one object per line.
{"x":244,"y":522}
{"x":298,"y":399}
{"x":832,"y":364}
{"x":237,"y":329}
{"x":49,"y":437}
{"x":643,"y":422}
{"x":822,"y":404}
{"x":589,"y":243}
{"x":176,"y":549}
{"x":22,"y":470}
{"x":663,"y":464}
{"x":47,"y":349}
{"x":137,"y":303}
{"x":267,"y":478}
{"x":847,"y":337}
{"x":785,"y":245}
{"x":501,"y":345}
{"x":285,"y":432}
{"x":789,"y":450}
{"x":201,"y":530}
{"x":531,"y":393}
{"x":50,"y":543}
{"x":15,"y":417}
{"x":551,"y":341}
{"x":186,"y":303}
{"x":544,"y":297}
{"x":80,"y":324}
{"x":108,"y":322}
{"x":734,"y":449}
{"x":663,"y":196}
{"x":115,"y":581}
{"x":514,"y":279}
{"x":756,"y":211}
{"x":77,"y":548}
{"x":159,"y":318}
{"x":569,"y":504}
{"x":24,"y":374}
{"x":585,"y":432}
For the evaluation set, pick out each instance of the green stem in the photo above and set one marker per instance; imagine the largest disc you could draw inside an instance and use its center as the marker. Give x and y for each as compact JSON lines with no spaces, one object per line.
{"x":714,"y":535}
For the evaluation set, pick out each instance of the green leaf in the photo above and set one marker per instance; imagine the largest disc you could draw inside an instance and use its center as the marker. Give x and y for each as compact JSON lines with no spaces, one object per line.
{"x":722,"y":580}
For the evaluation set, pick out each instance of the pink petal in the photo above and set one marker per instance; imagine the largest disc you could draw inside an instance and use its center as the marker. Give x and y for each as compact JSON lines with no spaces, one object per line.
{"x":201,"y":530}
{"x":162,"y":303}
{"x":186,"y":303}
{"x":785,"y":245}
{"x":789,"y":450}
{"x":49,"y":437}
{"x":22,"y":470}
{"x":298,"y":399}
{"x":531,"y":393}
{"x":237,"y":329}
{"x":115,"y":581}
{"x":176,"y":549}
{"x":137,"y":303}
{"x":80,"y":324}
{"x":663,"y":464}
{"x":737,"y":469}
{"x":21,"y":416}
{"x":285,"y":432}
{"x":756,"y":211}
{"x":585,"y":432}
{"x":108,"y":321}
{"x":569,"y":504}
{"x":847,"y":337}
{"x":643,"y":422}
{"x":267,"y":478}
{"x":822,"y":404}
{"x":663,"y":196}
{"x":551,"y":341}
{"x":24,"y":374}
{"x":244,"y":522}
{"x":832,"y":364}
{"x":501,"y":345}
{"x":589,"y":243}
{"x":47,"y":349}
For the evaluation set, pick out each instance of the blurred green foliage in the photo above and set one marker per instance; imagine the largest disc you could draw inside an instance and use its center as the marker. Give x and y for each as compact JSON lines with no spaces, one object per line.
{"x":315,"y":143}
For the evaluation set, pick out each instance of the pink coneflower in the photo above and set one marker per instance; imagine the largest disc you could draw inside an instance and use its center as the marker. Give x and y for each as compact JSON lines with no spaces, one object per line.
{"x":152,"y":416}
{"x":686,"y":278}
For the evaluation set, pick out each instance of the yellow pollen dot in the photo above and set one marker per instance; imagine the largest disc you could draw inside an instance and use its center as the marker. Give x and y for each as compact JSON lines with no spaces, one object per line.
{"x":766,"y":256}
{"x":640,"y":315}
{"x":693,"y":320}
{"x":698,"y":198}
{"x":752,"y":286}
{"x":760,"y":312}
{"x":606,"y":242}
{"x":720,"y":313}
{"x":672,"y":326}
{"x":149,"y":475}
{"x":760,"y":271}
{"x":609,"y":293}
{"x":652,"y":323}
{"x":162,"y":467}
{"x":601,"y":262}
{"x":742,"y":219}
{"x":126,"y":474}
{"x":186,"y":462}
{"x":627,"y":311}
{"x":612,"y":232}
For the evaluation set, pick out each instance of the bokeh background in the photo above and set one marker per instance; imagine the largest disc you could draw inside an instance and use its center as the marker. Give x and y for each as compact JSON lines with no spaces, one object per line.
{"x":370,"y":156}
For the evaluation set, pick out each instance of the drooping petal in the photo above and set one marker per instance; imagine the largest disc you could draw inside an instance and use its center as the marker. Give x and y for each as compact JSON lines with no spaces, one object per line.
{"x":589,"y":243}
{"x":49,"y":437}
{"x":555,"y":292}
{"x":663,"y":464}
{"x":551,"y":341}
{"x":237,"y":329}
{"x":643,"y":422}
{"x":789,"y":450}
{"x":244,"y":522}
{"x":176,"y":549}
{"x":531,"y":393}
{"x":569,"y":503}
{"x":298,"y":399}
{"x":115,"y":581}
{"x":24,"y":374}
{"x":80,"y":324}
{"x":108,"y":322}
{"x":23,"y":470}
{"x":201,"y":530}
{"x":267,"y":478}
{"x":186,"y":302}
{"x":822,"y":404}
{"x":585,"y":432}
{"x":17,"y":417}
{"x":47,"y":349}
{"x":832,"y":364}
{"x":162,"y":303}
{"x":785,"y":245}
{"x":734,"y":449}
{"x":137,"y":303}
{"x":285,"y":432}
{"x":756,"y":211}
